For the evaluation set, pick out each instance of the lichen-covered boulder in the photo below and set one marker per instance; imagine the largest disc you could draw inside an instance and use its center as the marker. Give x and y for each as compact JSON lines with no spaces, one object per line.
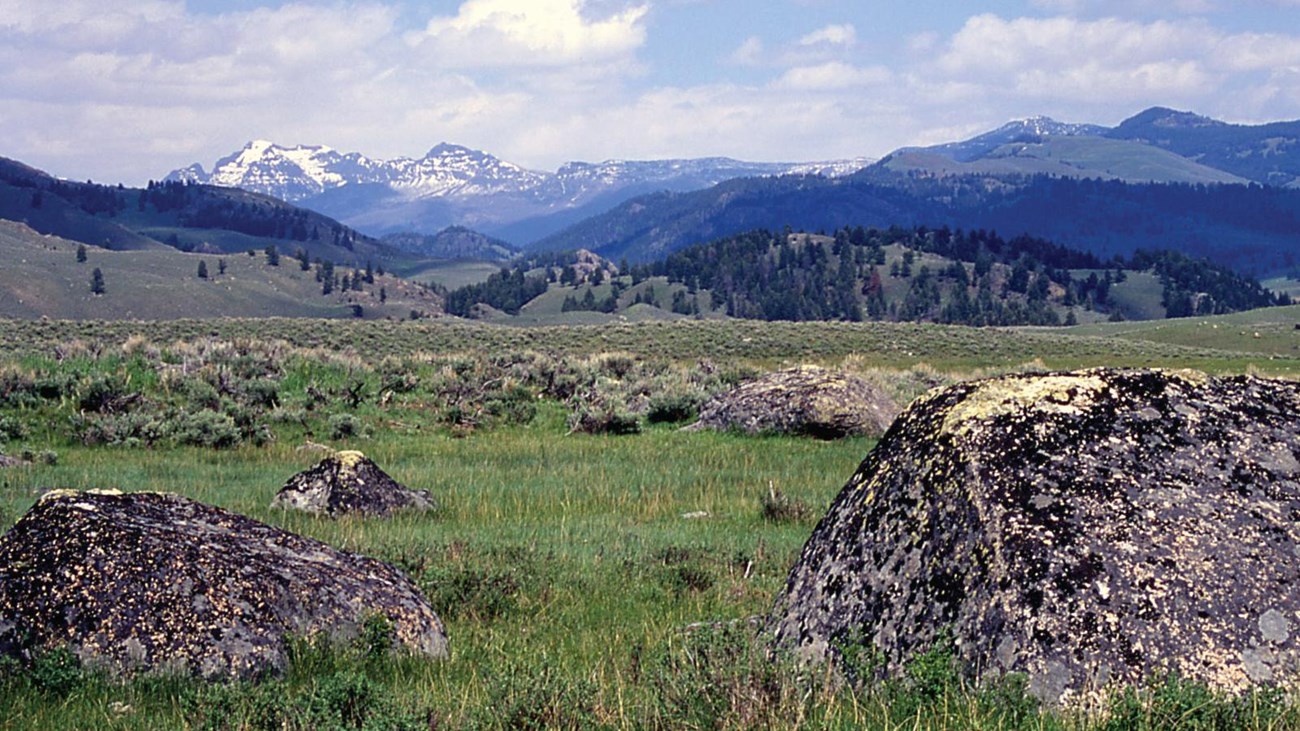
{"x":151,"y":581}
{"x":809,"y":400}
{"x":1087,"y":528}
{"x":349,"y":483}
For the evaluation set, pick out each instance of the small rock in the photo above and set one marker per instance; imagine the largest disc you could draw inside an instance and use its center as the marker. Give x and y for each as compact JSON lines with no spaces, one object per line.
{"x":349,"y":483}
{"x":807,"y":400}
{"x":138,"y":582}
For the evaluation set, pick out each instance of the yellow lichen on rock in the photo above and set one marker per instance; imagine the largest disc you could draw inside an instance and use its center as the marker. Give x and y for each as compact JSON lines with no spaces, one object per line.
{"x":348,"y":460}
{"x":69,"y":492}
{"x":1052,"y":394}
{"x":1189,"y":376}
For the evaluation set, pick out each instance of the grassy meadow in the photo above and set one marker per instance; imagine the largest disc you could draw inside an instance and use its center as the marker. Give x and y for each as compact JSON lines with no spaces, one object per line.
{"x":42,"y":277}
{"x":588,"y":579}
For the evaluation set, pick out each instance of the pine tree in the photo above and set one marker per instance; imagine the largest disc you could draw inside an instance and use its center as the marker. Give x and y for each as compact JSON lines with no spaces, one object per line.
{"x":326,"y":277}
{"x":272,"y":256}
{"x":97,"y":281}
{"x":203,"y":269}
{"x":221,"y":266}
{"x":81,"y":253}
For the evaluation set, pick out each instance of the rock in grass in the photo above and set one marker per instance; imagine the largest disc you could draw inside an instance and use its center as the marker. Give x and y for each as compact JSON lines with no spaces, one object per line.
{"x":349,"y":483}
{"x":151,"y":581}
{"x":1102,"y":526}
{"x":807,"y":400}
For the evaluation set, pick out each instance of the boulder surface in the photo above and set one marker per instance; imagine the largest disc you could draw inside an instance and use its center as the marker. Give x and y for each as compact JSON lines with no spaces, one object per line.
{"x":1089,"y":528}
{"x":809,"y":400}
{"x":349,"y":483}
{"x":152,"y":581}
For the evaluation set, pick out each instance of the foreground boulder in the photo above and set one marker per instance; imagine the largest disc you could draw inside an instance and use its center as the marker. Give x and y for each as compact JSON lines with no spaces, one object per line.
{"x":151,"y":581}
{"x":808,"y":400}
{"x":349,"y":483}
{"x":1086,"y":528}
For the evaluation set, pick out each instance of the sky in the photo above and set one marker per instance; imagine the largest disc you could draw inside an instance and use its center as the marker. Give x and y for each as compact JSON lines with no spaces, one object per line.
{"x":128,"y":90}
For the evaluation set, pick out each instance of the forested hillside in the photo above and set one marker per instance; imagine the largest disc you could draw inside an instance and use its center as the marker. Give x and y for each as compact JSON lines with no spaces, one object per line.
{"x":1251,"y":229}
{"x":858,"y":273}
{"x":941,"y":275}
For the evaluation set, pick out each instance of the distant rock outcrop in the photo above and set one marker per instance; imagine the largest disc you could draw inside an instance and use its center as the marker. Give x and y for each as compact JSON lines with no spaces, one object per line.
{"x":809,"y":400}
{"x":152,"y":581}
{"x":349,"y":483}
{"x":1084,"y":528}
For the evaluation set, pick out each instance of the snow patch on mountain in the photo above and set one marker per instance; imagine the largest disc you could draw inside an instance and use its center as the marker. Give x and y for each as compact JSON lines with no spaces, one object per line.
{"x":1020,"y":130}
{"x":453,"y":171}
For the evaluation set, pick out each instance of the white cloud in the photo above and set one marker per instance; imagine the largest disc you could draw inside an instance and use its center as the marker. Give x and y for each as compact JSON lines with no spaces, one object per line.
{"x":835,"y":35}
{"x":832,"y":76}
{"x":1257,"y":52}
{"x":749,"y":53}
{"x":85,"y":21}
{"x":827,"y":44}
{"x":1110,"y":60}
{"x":524,"y":32}
{"x":1104,"y":69}
{"x":130,"y":91}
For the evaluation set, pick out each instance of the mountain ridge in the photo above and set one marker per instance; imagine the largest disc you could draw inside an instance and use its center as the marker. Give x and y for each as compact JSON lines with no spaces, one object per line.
{"x":1173,"y":146}
{"x":457,"y":185}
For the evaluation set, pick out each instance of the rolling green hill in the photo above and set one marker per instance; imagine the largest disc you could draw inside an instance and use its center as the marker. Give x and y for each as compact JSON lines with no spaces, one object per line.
{"x":1266,"y":153}
{"x":42,"y":277}
{"x":1070,"y":157}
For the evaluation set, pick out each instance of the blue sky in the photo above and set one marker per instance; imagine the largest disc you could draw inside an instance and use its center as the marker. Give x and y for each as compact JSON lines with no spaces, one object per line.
{"x":128,"y":90}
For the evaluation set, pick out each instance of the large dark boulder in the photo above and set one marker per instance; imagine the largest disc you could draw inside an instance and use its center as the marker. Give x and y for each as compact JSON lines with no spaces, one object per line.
{"x":807,"y":400}
{"x":349,"y":483}
{"x":151,"y":581}
{"x":1104,"y":526}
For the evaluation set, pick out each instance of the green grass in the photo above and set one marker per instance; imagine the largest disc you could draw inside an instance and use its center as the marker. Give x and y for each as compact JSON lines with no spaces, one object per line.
{"x":450,"y":273}
{"x":42,"y":278}
{"x":1270,"y":331}
{"x":569,"y":549}
{"x":586,"y":581}
{"x":895,"y":345}
{"x":572,"y":584}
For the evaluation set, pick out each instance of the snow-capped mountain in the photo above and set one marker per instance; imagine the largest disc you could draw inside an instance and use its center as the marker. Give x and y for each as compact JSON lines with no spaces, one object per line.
{"x":454,"y":185}
{"x":288,"y":173}
{"x":1019,"y":130}
{"x":298,"y":173}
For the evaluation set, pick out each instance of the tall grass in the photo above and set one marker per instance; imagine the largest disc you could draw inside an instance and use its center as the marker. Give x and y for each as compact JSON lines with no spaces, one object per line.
{"x":587,"y":581}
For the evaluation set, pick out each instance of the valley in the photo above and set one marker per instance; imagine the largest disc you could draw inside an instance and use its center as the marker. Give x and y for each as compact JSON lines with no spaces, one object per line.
{"x":528,"y":348}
